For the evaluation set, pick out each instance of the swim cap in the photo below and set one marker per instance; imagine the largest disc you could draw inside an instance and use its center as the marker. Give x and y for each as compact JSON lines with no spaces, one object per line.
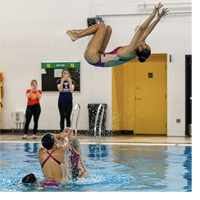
{"x":47,"y":141}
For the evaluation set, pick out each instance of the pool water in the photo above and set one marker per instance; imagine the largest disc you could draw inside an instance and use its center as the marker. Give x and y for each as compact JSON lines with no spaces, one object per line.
{"x":113,"y":168}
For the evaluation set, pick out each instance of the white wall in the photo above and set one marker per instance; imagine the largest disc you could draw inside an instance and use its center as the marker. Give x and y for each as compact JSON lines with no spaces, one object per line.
{"x":34,"y":31}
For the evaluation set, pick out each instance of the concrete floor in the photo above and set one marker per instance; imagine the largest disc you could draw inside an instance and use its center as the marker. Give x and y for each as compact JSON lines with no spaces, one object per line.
{"x":122,"y":139}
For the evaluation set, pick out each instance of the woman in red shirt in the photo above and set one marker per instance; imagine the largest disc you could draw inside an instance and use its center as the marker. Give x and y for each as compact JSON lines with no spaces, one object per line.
{"x":33,"y":108}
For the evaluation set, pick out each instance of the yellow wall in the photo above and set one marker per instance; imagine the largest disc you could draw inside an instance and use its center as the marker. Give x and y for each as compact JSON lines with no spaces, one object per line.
{"x":148,"y":114}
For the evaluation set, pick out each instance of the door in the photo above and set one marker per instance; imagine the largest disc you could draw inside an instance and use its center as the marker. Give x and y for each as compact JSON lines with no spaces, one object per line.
{"x":188,"y":94}
{"x":139,"y":96}
{"x":151,"y":96}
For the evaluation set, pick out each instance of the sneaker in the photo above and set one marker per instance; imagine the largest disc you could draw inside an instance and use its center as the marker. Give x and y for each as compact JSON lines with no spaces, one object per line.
{"x":24,"y":137}
{"x":34,"y":137}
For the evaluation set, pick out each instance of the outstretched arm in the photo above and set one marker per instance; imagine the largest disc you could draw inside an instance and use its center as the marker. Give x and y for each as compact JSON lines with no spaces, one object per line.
{"x":145,"y":25}
{"x":152,"y":26}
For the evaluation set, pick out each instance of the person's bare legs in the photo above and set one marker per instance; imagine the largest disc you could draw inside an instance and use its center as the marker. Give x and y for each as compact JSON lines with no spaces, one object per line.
{"x":95,"y":44}
{"x":106,"y":39}
{"x":79,"y":33}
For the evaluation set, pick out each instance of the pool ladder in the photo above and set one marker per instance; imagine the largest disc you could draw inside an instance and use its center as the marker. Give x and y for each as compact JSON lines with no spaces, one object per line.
{"x":100,"y":123}
{"x":76,"y":107}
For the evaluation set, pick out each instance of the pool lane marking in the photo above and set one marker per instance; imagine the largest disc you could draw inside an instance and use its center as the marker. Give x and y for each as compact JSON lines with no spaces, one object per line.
{"x":115,"y":143}
{"x":141,"y":144}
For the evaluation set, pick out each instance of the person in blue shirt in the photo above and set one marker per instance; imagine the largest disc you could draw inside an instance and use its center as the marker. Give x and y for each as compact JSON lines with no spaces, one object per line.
{"x":65,"y":87}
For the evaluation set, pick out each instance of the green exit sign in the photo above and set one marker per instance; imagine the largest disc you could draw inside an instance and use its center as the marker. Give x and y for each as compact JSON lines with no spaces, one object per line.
{"x":60,"y":65}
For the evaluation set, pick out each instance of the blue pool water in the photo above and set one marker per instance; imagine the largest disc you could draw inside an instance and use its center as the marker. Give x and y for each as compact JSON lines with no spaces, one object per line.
{"x":112,"y":168}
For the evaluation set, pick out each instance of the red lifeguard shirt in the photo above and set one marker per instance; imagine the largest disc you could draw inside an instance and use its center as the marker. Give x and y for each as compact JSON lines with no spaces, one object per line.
{"x":33,"y":99}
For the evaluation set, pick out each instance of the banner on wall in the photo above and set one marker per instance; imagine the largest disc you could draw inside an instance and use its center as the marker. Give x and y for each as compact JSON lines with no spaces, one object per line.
{"x":51,"y":72}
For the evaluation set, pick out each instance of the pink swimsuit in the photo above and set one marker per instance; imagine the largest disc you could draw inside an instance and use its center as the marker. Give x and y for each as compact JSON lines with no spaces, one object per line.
{"x":75,"y":160}
{"x":111,"y":56}
{"x":48,"y":183}
{"x":50,"y":155}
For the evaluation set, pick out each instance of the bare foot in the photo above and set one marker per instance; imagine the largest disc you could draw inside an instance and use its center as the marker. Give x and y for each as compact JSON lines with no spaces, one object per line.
{"x":70,"y":134}
{"x":68,"y":130}
{"x":72,"y":35}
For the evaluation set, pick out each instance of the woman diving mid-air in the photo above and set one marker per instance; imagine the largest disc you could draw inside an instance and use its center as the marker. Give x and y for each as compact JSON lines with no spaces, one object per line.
{"x":94,"y":53}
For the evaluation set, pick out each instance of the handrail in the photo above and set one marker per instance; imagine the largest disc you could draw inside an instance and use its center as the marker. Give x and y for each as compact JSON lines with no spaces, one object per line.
{"x":75,"y":108}
{"x":101,"y":119}
{"x":142,"y":14}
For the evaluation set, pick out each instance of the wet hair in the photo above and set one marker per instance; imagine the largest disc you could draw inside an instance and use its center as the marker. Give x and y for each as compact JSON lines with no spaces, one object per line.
{"x":48,"y":141}
{"x":143,"y":55}
{"x":29,"y":178}
{"x":76,"y":143}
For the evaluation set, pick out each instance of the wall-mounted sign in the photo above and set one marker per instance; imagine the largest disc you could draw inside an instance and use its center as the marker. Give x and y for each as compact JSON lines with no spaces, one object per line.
{"x":51,"y":72}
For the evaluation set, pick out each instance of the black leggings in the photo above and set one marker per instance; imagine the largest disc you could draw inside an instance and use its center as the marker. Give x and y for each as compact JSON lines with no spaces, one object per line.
{"x":34,"y":111}
{"x":65,"y":110}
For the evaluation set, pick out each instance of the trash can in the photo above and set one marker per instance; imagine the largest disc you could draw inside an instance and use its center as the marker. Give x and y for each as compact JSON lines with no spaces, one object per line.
{"x":92,"y":111}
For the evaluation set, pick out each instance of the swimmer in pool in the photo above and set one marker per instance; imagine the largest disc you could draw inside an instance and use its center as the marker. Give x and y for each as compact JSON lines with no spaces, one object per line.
{"x":95,"y":51}
{"x":51,"y":158}
{"x":76,"y":163}
{"x":31,"y":178}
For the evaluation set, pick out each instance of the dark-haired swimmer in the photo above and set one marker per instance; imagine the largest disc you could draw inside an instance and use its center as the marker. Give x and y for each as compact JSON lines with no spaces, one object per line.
{"x":31,"y":178}
{"x":51,"y":158}
{"x":94,"y":53}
